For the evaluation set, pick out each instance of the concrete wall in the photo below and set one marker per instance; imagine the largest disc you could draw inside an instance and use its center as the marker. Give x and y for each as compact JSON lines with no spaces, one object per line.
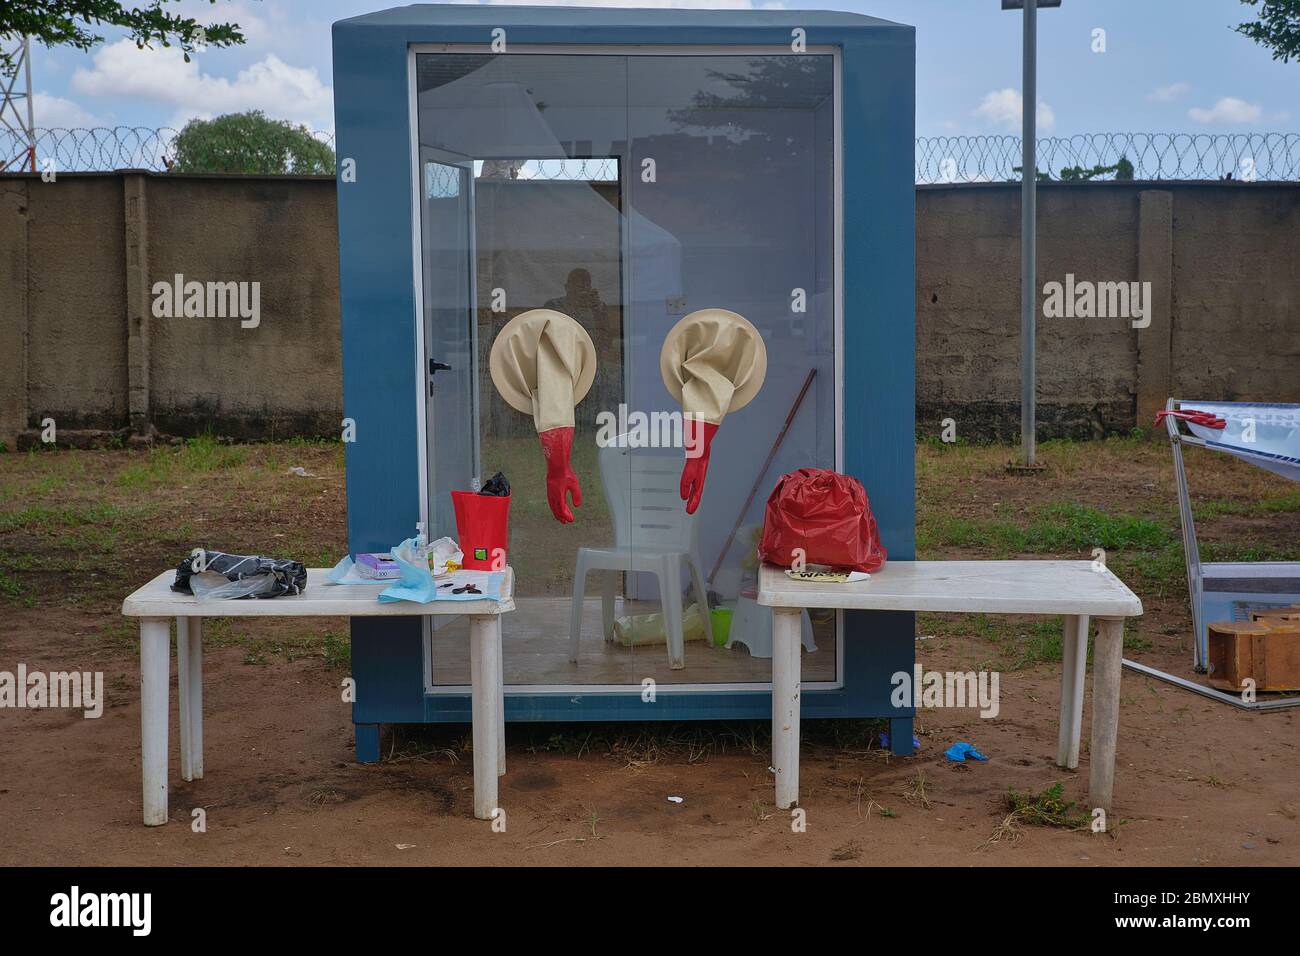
{"x":78,"y":260}
{"x":79,"y":257}
{"x":1225,"y":281}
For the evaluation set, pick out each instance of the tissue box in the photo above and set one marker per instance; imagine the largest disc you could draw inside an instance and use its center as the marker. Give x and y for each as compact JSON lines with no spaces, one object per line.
{"x":378,"y":567}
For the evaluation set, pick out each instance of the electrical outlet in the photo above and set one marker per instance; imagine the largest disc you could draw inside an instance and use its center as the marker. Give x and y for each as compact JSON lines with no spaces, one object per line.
{"x":676,"y":304}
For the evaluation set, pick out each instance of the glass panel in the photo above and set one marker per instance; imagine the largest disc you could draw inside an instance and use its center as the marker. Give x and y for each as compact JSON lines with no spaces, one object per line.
{"x":743,"y":188}
{"x":445,"y":224}
{"x":627,"y":191}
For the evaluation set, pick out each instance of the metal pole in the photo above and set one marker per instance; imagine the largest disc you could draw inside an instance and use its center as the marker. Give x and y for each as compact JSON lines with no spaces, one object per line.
{"x":31,"y":121}
{"x":1028,"y":231}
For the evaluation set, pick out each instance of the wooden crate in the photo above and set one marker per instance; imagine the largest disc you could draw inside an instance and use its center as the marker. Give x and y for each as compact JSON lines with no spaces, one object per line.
{"x":1274,"y":616}
{"x":1266,"y":650}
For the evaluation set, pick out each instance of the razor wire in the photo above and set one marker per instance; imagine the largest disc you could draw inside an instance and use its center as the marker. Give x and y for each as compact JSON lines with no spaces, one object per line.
{"x":102,"y":148}
{"x":1249,"y":157}
{"x":1087,"y":157}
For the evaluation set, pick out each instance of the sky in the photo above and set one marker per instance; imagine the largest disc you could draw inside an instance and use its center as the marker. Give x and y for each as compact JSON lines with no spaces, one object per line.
{"x":1168,"y":66}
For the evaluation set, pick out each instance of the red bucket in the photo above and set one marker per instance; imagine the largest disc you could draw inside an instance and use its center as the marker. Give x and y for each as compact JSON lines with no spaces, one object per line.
{"x":483,"y":526}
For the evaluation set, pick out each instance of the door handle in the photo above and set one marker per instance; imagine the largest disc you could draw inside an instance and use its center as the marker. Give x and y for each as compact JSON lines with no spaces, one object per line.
{"x":434,"y":368}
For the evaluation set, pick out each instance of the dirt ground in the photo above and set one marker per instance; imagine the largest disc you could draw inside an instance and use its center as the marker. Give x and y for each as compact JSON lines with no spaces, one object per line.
{"x":1197,"y":783}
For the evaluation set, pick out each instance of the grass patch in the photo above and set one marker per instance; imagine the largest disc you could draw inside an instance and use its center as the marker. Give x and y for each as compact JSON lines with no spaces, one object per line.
{"x":330,"y":646}
{"x":1046,"y":809}
{"x":1056,"y":528}
{"x":1017,"y":643}
{"x":152,"y":470}
{"x":40,"y":517}
{"x":205,"y":454}
{"x":1278,"y":504}
{"x":336,"y":648}
{"x":13,"y":592}
{"x":196,"y":456}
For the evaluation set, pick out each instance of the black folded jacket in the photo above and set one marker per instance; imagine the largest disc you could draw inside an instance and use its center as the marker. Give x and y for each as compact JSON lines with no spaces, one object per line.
{"x":282,"y":575}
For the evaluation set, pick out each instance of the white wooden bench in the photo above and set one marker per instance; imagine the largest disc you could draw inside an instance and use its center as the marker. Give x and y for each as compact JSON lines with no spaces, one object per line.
{"x":155,"y":604}
{"x":1079,"y":590}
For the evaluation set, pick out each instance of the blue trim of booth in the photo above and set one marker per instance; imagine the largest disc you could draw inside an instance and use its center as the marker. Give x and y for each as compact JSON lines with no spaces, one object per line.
{"x":376,"y":270}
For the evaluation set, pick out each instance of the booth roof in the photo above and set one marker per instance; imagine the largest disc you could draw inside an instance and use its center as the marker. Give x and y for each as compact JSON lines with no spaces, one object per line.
{"x":492,"y":15}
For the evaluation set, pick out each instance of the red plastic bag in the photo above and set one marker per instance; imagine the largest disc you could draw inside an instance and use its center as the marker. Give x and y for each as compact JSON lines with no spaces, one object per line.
{"x":827,"y":515}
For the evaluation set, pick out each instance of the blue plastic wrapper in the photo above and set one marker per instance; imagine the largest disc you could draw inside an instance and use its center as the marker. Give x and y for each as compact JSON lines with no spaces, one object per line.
{"x":959,"y":751}
{"x":418,"y":584}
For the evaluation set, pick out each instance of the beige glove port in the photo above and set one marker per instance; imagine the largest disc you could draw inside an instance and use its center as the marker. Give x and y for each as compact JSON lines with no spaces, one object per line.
{"x":543,"y":364}
{"x":713,"y":362}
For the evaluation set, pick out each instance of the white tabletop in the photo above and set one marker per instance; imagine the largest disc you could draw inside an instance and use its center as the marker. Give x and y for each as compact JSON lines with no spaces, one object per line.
{"x":157,"y":599}
{"x":995,"y":587}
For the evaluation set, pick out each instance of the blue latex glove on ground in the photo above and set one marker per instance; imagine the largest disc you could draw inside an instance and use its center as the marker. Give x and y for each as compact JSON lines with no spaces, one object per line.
{"x":959,"y":751}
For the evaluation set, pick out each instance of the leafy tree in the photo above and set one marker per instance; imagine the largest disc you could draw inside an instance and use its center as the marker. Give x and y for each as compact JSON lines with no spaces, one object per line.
{"x":250,"y":143}
{"x":72,"y":22}
{"x":1039,"y":175}
{"x":1277,"y":28}
{"x":1122,"y":170}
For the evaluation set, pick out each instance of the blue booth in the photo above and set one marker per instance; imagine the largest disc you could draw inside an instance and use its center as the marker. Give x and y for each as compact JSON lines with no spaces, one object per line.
{"x":625,"y":167}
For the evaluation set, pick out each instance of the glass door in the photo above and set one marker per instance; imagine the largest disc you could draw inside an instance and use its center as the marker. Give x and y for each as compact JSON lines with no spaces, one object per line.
{"x":451,"y":356}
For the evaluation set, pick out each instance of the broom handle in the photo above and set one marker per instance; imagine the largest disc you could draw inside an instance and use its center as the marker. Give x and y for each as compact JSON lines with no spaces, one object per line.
{"x":758,"y":481}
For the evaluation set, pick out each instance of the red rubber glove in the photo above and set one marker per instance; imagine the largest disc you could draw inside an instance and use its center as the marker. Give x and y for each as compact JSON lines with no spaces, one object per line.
{"x":699,"y":438}
{"x":1208,"y":419}
{"x":557,"y":444}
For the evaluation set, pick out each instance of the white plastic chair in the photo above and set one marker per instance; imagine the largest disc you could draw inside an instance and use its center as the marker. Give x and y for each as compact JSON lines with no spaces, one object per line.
{"x":652,"y":532}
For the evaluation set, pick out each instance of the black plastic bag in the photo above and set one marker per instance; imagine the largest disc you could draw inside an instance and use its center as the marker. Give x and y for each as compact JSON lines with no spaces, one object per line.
{"x":258,"y":577}
{"x":496,"y":486}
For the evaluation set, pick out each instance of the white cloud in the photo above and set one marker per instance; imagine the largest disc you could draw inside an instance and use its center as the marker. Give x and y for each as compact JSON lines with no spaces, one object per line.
{"x":1228,"y":109}
{"x":1167,"y":94}
{"x":1003,"y":108}
{"x":163,"y":77}
{"x":256,"y":30}
{"x":54,"y":112}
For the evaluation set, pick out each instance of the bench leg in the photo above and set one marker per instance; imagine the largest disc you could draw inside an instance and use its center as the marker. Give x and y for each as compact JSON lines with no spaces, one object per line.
{"x":786,"y":647}
{"x":189,"y":685}
{"x":1107,"y":665}
{"x":183,"y":695}
{"x":485,"y":678}
{"x":155,"y":681}
{"x":1074,"y":663}
{"x":195,"y":710}
{"x":501,"y":700}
